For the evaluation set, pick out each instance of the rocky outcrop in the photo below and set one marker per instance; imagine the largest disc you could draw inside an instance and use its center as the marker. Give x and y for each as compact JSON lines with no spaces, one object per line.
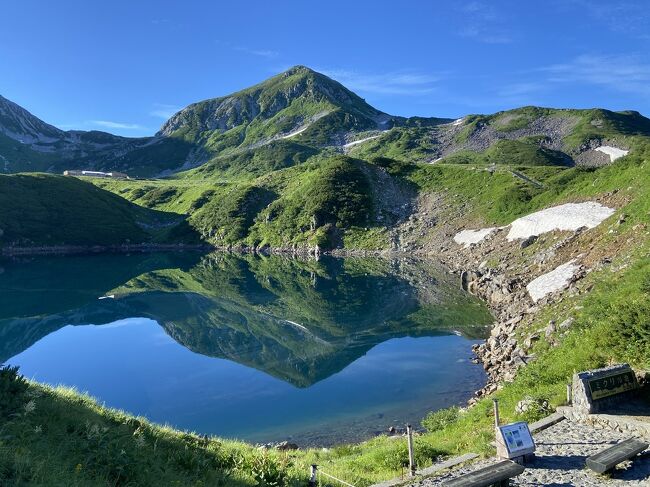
{"x":499,"y":271}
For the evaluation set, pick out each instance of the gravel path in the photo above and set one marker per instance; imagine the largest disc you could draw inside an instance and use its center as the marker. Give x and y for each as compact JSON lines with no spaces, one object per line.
{"x":560,"y":460}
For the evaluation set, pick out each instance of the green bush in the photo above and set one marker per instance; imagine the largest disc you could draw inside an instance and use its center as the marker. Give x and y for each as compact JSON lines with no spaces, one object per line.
{"x":12,"y":391}
{"x":269,"y":471}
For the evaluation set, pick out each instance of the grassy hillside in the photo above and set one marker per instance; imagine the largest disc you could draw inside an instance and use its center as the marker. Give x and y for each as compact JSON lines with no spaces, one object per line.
{"x":523,"y":137}
{"x":40,"y":209}
{"x":250,"y":163}
{"x":310,"y":204}
{"x":57,"y":437}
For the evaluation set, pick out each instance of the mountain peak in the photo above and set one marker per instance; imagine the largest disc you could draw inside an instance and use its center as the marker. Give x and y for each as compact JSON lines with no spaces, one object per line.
{"x":283,"y":104}
{"x":298,"y":69}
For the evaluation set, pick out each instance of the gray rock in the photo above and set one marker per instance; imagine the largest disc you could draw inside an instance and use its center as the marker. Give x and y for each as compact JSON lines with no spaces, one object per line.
{"x":530,"y":404}
{"x":566,"y":324}
{"x":528,"y":342}
{"x":550,"y":329}
{"x":527,"y":242}
{"x":285,"y":446}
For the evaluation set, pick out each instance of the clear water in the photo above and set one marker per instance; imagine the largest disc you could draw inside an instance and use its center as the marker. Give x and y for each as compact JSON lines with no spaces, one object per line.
{"x":257,"y":348}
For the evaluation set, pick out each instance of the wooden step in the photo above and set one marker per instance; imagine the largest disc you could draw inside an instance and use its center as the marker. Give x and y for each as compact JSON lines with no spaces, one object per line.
{"x":607,"y":459}
{"x":498,"y":473}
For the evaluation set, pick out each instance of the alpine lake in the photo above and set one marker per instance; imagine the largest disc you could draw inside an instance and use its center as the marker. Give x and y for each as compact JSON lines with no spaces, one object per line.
{"x":259,"y":348}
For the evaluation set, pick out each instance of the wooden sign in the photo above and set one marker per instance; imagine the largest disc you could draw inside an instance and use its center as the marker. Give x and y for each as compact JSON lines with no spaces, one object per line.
{"x":612,"y":384}
{"x":514,"y":440}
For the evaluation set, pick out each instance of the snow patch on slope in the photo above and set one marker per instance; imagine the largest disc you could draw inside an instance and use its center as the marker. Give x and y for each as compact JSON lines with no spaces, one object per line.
{"x":570,"y":216}
{"x":470,"y":237}
{"x":556,"y":280}
{"x":613,"y":152}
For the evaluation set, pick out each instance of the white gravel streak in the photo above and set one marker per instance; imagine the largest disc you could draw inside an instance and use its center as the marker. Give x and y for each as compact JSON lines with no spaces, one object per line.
{"x":360,"y":141}
{"x":570,"y":216}
{"x":469,"y":237}
{"x":458,"y":122}
{"x":556,"y":280}
{"x":304,"y":127}
{"x":613,"y":152}
{"x":296,"y":132}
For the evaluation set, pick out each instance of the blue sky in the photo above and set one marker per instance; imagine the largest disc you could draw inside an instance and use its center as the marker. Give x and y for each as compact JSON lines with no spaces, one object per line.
{"x":125,"y":66}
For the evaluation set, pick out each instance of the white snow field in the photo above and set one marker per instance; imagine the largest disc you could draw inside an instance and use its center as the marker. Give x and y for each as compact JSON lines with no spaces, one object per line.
{"x":556,"y":280}
{"x":613,"y":152}
{"x":570,"y":216}
{"x":469,"y":237}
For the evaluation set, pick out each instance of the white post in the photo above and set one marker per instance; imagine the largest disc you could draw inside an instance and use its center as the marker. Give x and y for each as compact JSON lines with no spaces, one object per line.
{"x":409,"y":434}
{"x":312,"y":475}
{"x":496,"y":412}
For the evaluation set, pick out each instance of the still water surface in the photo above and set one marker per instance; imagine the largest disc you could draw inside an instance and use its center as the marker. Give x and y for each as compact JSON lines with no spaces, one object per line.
{"x":257,"y":348}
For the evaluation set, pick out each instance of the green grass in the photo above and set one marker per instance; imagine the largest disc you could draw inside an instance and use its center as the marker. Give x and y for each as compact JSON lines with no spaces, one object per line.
{"x":323,"y":199}
{"x":58,"y":437}
{"x":254,"y":162}
{"x":402,"y":143}
{"x":307,"y":204}
{"x":40,"y":209}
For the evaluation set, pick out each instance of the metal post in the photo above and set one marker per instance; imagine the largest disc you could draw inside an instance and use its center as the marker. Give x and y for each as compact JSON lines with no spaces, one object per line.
{"x":568,"y":394}
{"x":312,"y":475}
{"x":409,"y":434}
{"x":496,"y":412}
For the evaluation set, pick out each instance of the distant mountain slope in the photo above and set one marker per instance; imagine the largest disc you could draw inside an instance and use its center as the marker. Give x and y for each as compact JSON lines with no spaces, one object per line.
{"x":27,"y":144}
{"x":527,"y":135}
{"x":18,"y":124}
{"x":284,"y":105}
{"x":306,"y":109}
{"x":299,"y":114}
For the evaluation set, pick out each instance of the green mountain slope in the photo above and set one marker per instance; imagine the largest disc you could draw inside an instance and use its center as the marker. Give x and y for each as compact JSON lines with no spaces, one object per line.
{"x":299,"y":160}
{"x":523,"y":136}
{"x":298,"y":99}
{"x":46,"y":210}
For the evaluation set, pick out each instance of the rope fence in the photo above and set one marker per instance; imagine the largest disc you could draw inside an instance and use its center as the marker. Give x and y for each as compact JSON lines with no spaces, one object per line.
{"x":320,"y":472}
{"x":315,"y":472}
